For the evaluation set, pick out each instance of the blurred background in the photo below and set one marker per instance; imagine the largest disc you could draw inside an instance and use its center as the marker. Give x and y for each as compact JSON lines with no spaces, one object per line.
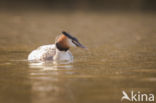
{"x":76,"y":5}
{"x":25,"y":22}
{"x":120,"y":36}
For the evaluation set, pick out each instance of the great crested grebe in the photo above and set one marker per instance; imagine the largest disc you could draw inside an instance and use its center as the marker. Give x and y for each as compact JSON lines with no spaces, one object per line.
{"x":58,"y":51}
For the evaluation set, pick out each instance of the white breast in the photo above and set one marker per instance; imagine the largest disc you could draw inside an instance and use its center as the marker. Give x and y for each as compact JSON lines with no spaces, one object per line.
{"x":49,"y":53}
{"x":63,"y":56}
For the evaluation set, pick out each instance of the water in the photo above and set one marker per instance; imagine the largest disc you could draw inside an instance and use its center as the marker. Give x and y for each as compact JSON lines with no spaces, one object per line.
{"x":121,"y":56}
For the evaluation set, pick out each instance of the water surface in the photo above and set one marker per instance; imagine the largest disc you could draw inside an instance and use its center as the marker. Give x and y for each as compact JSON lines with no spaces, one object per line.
{"x":121,"y":56}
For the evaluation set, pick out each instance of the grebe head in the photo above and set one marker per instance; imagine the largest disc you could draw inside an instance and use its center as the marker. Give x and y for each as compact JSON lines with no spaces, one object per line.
{"x":65,"y":41}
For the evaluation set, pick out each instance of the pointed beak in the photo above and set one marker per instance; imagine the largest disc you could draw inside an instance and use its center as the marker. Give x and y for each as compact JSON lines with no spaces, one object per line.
{"x":80,"y":45}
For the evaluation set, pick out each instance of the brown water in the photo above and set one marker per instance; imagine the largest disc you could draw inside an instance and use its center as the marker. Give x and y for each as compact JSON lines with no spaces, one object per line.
{"x":121,"y":56}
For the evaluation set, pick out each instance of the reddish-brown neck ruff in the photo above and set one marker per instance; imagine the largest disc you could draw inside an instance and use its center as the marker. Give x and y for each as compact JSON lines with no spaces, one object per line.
{"x":62,"y":43}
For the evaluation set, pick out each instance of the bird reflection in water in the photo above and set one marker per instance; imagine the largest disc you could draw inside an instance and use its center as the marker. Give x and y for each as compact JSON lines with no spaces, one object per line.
{"x":51,"y":80}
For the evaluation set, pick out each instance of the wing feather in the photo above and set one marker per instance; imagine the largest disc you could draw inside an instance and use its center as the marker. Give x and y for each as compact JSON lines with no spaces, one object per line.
{"x":45,"y":52}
